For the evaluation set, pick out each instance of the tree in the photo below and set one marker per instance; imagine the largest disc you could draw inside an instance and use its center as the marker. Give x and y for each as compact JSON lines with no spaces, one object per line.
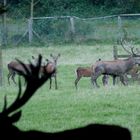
{"x":2,"y":10}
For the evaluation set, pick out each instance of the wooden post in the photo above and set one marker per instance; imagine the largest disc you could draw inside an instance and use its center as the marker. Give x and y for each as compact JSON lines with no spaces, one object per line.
{"x":30,"y":22}
{"x":72,"y":27}
{"x":115,"y":55}
{"x":115,"y":52}
{"x":30,"y":31}
{"x":1,"y":67}
{"x":119,"y":26}
{"x":4,"y":36}
{"x":119,"y":23}
{"x":4,"y":43}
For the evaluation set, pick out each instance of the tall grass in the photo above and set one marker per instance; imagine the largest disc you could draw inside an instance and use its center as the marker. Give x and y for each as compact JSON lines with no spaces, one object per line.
{"x":66,"y":108}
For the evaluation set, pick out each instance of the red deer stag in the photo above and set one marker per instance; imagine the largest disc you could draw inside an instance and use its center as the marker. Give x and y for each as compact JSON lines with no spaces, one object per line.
{"x":12,"y":114}
{"x":115,"y":68}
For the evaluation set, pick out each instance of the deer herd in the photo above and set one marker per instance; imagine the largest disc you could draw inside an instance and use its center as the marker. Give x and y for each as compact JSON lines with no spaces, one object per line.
{"x":114,"y":68}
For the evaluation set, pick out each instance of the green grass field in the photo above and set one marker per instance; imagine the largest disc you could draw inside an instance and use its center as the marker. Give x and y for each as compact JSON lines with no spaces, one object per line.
{"x":66,"y":108}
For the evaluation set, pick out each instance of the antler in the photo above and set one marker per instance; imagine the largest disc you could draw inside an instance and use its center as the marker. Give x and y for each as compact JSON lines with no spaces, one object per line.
{"x":129,"y":45}
{"x":34,"y":81}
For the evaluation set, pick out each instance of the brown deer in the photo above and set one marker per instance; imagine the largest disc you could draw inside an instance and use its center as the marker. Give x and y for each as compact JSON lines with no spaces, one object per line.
{"x":11,"y":114}
{"x":115,"y":68}
{"x":51,"y":64}
{"x":13,"y":66}
{"x":86,"y":72}
{"x":12,"y":73}
{"x":16,"y":65}
{"x":54,"y":64}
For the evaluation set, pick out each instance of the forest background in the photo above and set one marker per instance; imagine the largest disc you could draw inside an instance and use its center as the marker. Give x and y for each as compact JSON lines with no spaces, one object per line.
{"x":81,"y":8}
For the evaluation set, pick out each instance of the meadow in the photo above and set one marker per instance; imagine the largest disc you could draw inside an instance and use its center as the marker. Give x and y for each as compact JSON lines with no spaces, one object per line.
{"x":66,"y":108}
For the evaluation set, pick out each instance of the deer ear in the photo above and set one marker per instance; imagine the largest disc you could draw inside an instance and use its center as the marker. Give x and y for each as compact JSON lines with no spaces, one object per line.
{"x":15,"y":117}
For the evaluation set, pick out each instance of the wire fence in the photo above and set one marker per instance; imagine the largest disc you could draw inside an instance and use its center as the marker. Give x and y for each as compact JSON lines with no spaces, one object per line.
{"x":65,"y":29}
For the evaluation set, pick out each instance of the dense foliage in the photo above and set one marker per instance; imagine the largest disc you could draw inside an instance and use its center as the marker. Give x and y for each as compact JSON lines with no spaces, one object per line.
{"x":82,"y":8}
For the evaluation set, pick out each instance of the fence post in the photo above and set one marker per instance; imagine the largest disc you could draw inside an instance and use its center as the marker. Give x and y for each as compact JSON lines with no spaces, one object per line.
{"x":1,"y":72}
{"x":115,"y":55}
{"x":115,"y":52}
{"x":30,"y":30}
{"x":4,"y":29}
{"x":119,"y":25}
{"x":72,"y":27}
{"x":119,"y":22}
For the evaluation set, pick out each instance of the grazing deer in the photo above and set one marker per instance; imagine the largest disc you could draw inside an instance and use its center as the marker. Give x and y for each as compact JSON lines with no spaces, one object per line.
{"x":11,"y":68}
{"x":16,"y":65}
{"x":115,"y":67}
{"x":86,"y":72}
{"x":12,"y":114}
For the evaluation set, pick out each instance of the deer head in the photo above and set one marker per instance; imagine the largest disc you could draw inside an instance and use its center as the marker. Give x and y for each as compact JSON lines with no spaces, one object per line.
{"x":55,"y":58}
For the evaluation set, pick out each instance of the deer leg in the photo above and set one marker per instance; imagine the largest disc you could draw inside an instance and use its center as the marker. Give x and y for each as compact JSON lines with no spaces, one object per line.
{"x":122,"y":79}
{"x":94,"y":78}
{"x":76,"y":81}
{"x":50,"y":82}
{"x":105,"y":80}
{"x":126,"y":78}
{"x":114,"y":79}
{"x":13,"y":78}
{"x":55,"y":82}
{"x":96,"y":83}
{"x":9,"y":75}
